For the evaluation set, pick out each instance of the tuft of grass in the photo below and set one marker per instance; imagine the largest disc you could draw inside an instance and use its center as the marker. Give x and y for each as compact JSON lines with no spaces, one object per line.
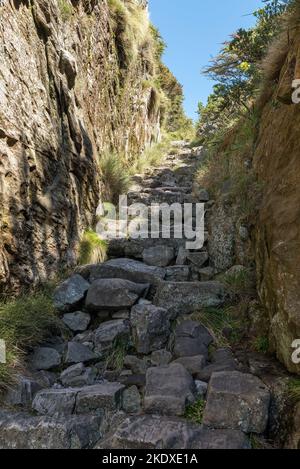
{"x":115,"y":360}
{"x":152,"y":156}
{"x":115,"y":177}
{"x":222,"y":323}
{"x":294,"y":390}
{"x":261,"y":344}
{"x":194,"y":412}
{"x":92,"y":248}
{"x":66,"y":9}
{"x":241,"y":283}
{"x":25,"y":322}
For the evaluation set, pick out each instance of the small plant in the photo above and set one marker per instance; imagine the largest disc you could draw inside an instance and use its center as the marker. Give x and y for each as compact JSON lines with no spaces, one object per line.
{"x":92,"y":248}
{"x":66,"y":9}
{"x":261,"y":344}
{"x":194,"y":412}
{"x":24,"y":323}
{"x":115,"y":360}
{"x":222,"y":323}
{"x":294,"y":390}
{"x":152,"y":156}
{"x":115,"y":177}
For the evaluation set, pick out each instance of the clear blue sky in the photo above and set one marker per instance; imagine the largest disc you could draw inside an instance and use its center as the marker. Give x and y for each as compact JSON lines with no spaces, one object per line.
{"x":194,"y":31}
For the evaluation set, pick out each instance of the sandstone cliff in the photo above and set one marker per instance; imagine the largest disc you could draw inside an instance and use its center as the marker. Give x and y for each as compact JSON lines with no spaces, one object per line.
{"x":68,"y":91}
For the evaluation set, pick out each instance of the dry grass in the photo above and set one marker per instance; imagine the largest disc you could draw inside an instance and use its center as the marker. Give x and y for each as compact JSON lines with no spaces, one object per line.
{"x":114,"y":175}
{"x":93,"y":249}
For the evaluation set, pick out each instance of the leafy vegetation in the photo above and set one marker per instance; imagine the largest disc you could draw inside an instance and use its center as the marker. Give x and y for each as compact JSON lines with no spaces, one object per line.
{"x":24,"y":323}
{"x":194,"y":412}
{"x":115,"y":359}
{"x":261,"y":344}
{"x":66,"y":9}
{"x":115,"y":177}
{"x":294,"y":390}
{"x":92,"y":249}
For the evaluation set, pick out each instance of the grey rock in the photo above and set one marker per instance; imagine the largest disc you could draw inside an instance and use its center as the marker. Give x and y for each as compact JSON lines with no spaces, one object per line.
{"x":123,"y":268}
{"x":22,"y":431}
{"x":109,"y":332}
{"x":22,"y":394}
{"x":131,"y":400}
{"x":244,"y":233}
{"x":78,"y":353}
{"x":237,"y":401}
{"x":44,"y":358}
{"x":201,"y":389}
{"x":168,"y":390}
{"x":209,"y":438}
{"x":136,"y":365}
{"x":123,"y":314}
{"x":191,"y":339}
{"x":113,"y":294}
{"x":99,"y":397}
{"x":198,"y":258}
{"x":78,"y":375}
{"x":206,"y":274}
{"x":182,"y":256}
{"x":203,"y":196}
{"x":153,"y":432}
{"x":236,"y":271}
{"x":70,"y":293}
{"x":178,"y":273}
{"x":55,"y":401}
{"x":192,"y":364}
{"x":133,"y":380}
{"x":151,"y":328}
{"x":223,"y":360}
{"x":78,"y":321}
{"x":160,"y":256}
{"x":186,"y":297}
{"x":161,"y":358}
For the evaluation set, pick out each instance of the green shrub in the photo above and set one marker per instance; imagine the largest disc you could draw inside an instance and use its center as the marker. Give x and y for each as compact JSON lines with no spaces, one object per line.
{"x":92,"y":249}
{"x":294,"y":390}
{"x":24,"y":323}
{"x":194,"y":412}
{"x":115,"y":177}
{"x":66,"y":9}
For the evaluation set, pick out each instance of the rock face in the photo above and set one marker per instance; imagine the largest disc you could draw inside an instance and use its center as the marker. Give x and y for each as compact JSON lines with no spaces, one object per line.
{"x":237,"y":401}
{"x":59,"y":68}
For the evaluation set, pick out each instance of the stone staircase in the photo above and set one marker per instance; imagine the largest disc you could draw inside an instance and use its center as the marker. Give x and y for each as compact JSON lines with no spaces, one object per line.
{"x":137,"y":304}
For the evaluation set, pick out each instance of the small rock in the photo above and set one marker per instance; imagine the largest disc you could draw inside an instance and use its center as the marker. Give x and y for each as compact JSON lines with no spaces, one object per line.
{"x":22,"y":394}
{"x":123,"y":314}
{"x":182,"y":256}
{"x":206,"y":274}
{"x":178,"y":273}
{"x":201,"y":389}
{"x":78,"y":375}
{"x":132,"y":400}
{"x":44,"y":358}
{"x":133,"y":380}
{"x":161,"y":357}
{"x":191,"y":339}
{"x":198,"y":258}
{"x":151,"y":328}
{"x":209,"y":438}
{"x":70,"y":293}
{"x":168,"y":390}
{"x":100,"y":397}
{"x":109,"y":332}
{"x":203,"y":196}
{"x":55,"y":402}
{"x":192,"y":364}
{"x":68,"y":66}
{"x":237,"y":401}
{"x":223,"y":360}
{"x":78,"y":321}
{"x":113,"y":294}
{"x":138,"y":366}
{"x":244,"y":233}
{"x":160,"y":256}
{"x":78,"y":353}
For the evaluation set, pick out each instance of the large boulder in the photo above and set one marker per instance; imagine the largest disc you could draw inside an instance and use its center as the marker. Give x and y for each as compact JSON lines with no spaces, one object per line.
{"x":151,"y":432}
{"x":22,"y":431}
{"x":45,"y":358}
{"x":114,"y":294}
{"x":69,"y":294}
{"x":191,"y":339}
{"x":237,"y":401}
{"x":151,"y":328}
{"x":160,"y":256}
{"x":109,"y":332}
{"x":127,"y":269}
{"x":99,"y":397}
{"x":186,"y":297}
{"x":168,"y":390}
